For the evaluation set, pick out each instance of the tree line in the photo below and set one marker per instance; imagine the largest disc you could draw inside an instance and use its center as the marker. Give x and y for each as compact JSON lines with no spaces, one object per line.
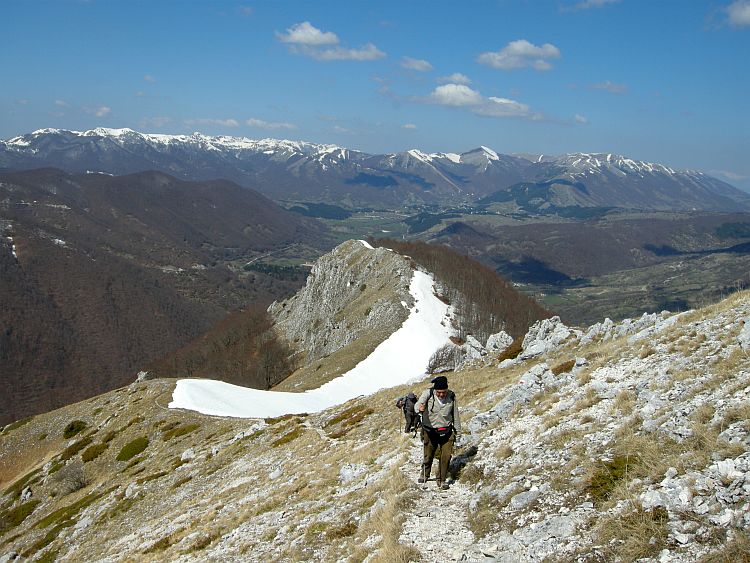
{"x":485,"y":302}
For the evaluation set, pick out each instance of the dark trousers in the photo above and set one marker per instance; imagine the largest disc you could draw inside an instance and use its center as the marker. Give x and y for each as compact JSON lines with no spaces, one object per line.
{"x":411,"y":421}
{"x":432,"y":442}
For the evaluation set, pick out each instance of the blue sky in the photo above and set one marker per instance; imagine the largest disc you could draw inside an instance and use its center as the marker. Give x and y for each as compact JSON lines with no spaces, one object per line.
{"x":662,"y":80}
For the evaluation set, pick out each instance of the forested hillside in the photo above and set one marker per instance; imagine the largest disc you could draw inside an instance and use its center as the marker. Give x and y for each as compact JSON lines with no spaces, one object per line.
{"x":101,"y":275}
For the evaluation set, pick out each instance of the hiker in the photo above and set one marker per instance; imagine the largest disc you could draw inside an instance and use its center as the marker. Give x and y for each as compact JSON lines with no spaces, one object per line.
{"x":406,"y":404}
{"x":441,"y":426}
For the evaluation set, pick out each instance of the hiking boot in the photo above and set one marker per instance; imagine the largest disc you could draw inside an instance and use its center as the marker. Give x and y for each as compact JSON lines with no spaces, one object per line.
{"x":420,"y":480}
{"x":443,"y":486}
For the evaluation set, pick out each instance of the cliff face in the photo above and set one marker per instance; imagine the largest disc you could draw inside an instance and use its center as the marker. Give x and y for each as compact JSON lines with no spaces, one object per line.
{"x":351,"y":291}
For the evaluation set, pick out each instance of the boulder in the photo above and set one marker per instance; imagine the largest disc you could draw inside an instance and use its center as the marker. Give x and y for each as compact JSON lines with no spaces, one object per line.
{"x":499,"y":342}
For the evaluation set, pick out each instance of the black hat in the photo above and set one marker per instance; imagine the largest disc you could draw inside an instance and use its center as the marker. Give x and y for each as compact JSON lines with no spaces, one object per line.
{"x":440,"y":382}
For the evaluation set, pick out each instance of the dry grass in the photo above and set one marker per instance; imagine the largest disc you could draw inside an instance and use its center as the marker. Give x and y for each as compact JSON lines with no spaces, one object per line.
{"x":634,"y":535}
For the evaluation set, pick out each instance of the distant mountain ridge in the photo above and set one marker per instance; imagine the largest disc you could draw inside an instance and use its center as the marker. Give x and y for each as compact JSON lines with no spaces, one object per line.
{"x":303,"y":171}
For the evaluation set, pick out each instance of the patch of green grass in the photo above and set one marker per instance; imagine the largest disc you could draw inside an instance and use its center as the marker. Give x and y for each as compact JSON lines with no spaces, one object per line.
{"x":12,"y":518}
{"x":607,"y":474}
{"x":17,"y":424}
{"x":177,"y":484}
{"x":293,"y":434}
{"x":17,"y":488}
{"x":56,"y":466}
{"x":179,"y":431}
{"x":76,"y":447}
{"x":343,"y":531}
{"x":48,"y":556}
{"x":132,"y":449}
{"x":70,"y":511}
{"x":74,"y":427}
{"x":348,"y":418}
{"x":92,"y":452}
{"x":153,"y":477}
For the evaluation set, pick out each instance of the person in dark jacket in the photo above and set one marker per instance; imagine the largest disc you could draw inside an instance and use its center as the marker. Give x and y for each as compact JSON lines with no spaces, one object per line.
{"x":441,"y":426}
{"x":406,"y":404}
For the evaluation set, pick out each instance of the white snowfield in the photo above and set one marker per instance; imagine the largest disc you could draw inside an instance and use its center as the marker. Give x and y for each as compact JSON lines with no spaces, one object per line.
{"x":398,"y":360}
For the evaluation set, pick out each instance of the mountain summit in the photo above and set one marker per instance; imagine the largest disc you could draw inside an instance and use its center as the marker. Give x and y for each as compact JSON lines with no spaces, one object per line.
{"x":302,"y":171}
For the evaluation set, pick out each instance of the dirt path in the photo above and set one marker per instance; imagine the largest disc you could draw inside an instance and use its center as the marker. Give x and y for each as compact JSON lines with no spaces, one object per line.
{"x":436,"y":525}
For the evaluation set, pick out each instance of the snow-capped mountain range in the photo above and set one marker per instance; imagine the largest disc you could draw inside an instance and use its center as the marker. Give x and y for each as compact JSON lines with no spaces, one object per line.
{"x":304,"y":171}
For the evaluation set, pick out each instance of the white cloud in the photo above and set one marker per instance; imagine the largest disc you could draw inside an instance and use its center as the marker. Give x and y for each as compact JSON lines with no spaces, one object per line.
{"x":269,"y":125}
{"x":22,"y":102}
{"x":460,"y":95}
{"x":149,"y":78}
{"x":246,"y":11}
{"x":340,"y":129}
{"x":306,"y":39}
{"x":586,"y":4}
{"x":408,"y":126}
{"x":419,"y":65}
{"x":307,"y":34}
{"x":521,"y":54}
{"x":739,"y":13}
{"x":213,"y":122}
{"x":455,"y":78}
{"x":610,"y":87}
{"x":581,"y":119}
{"x":455,"y":95}
{"x":61,"y":104}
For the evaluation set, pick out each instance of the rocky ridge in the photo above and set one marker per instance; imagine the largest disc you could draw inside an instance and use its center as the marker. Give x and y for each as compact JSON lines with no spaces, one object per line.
{"x":350,"y":291}
{"x":621,"y":441}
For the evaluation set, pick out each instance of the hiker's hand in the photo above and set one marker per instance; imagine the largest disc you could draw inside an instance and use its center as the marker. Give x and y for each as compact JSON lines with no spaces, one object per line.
{"x":421,"y":408}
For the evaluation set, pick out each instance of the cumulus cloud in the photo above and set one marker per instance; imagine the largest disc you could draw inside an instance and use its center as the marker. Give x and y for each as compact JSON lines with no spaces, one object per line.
{"x":269,"y":125}
{"x":213,"y":122}
{"x":455,"y":95}
{"x":149,"y":78}
{"x":581,"y":119}
{"x":455,"y":78}
{"x":610,"y":87}
{"x":461,"y":96}
{"x":521,"y":54}
{"x":419,"y":65}
{"x":306,"y":39}
{"x":408,"y":126}
{"x":738,"y":13}
{"x":307,"y":34}
{"x":61,"y":104}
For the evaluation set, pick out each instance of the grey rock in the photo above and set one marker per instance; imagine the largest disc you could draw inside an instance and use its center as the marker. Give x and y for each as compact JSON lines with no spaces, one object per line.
{"x":522,"y":500}
{"x":499,"y":342}
{"x":144,"y":376}
{"x":744,"y":337}
{"x":308,"y":321}
{"x":543,"y":336}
